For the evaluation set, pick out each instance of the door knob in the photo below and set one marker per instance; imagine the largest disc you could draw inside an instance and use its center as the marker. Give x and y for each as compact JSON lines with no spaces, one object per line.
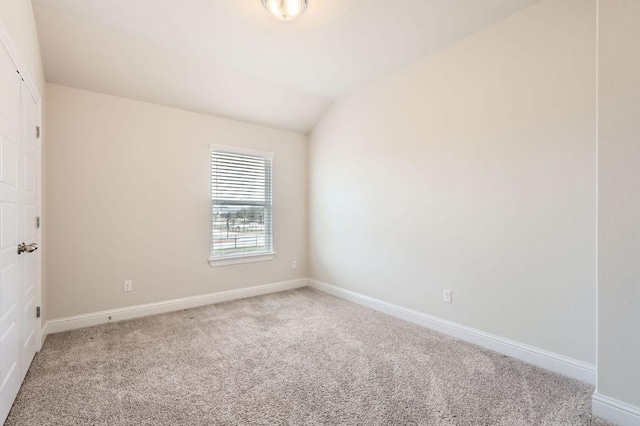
{"x":27,"y":247}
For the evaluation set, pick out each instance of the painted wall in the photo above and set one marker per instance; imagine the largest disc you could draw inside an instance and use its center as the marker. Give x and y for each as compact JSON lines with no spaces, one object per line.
{"x":619,"y":201}
{"x":473,"y":170}
{"x":129,"y":198}
{"x":17,"y":18}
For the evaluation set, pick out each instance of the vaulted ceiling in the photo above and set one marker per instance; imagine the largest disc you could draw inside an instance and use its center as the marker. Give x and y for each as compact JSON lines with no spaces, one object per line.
{"x":232,"y":59}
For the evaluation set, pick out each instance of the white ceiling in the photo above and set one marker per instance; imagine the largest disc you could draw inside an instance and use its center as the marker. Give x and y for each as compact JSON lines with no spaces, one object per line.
{"x":232,"y":59}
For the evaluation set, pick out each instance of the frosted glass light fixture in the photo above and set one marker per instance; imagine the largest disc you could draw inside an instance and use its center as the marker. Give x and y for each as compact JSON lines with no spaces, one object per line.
{"x":285,"y":9}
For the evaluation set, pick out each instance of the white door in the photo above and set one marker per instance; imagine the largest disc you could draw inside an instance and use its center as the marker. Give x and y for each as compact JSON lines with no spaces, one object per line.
{"x":18,"y":233}
{"x":10,"y":262}
{"x":27,"y":185}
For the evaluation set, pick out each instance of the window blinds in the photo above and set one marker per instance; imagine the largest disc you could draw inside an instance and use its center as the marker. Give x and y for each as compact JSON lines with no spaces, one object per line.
{"x":242,"y":201}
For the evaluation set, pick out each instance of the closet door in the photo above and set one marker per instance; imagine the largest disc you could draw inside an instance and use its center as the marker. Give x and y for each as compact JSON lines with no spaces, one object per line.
{"x":11,"y":263}
{"x":28,"y":187}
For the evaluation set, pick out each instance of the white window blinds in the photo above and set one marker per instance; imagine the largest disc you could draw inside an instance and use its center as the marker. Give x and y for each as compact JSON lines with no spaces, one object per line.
{"x":242,"y":203}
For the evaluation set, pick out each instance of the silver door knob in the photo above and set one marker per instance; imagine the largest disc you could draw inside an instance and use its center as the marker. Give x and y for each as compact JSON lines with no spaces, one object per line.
{"x":27,"y":247}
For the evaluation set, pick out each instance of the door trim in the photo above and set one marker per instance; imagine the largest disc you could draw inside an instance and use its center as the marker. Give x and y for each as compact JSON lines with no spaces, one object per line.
{"x":7,"y":42}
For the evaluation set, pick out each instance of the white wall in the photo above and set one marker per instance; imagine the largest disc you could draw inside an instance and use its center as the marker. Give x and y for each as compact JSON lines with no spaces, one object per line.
{"x":18,"y":21}
{"x":17,"y":17}
{"x":129,"y":198}
{"x":619,"y":201}
{"x":473,"y":170}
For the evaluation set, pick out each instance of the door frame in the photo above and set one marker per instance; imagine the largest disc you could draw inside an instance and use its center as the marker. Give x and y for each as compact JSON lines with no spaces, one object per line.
{"x":7,"y":42}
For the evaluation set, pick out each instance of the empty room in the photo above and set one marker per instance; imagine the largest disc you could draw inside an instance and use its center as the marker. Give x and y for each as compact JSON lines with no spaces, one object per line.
{"x":320,"y":212}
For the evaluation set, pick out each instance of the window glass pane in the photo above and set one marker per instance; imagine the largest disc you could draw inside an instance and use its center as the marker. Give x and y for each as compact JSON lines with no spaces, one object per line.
{"x":241,"y":197}
{"x":239,"y":229}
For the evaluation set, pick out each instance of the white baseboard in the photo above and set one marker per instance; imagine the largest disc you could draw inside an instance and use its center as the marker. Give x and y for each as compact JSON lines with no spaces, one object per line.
{"x":614,"y":411}
{"x":542,"y":358}
{"x":545,"y":359}
{"x":102,"y":317}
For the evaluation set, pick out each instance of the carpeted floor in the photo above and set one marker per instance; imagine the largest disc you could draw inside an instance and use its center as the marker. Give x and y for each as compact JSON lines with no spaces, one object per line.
{"x":297,"y":357}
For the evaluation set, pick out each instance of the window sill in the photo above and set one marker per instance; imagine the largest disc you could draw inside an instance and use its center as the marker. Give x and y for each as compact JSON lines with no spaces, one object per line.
{"x":247,"y":258}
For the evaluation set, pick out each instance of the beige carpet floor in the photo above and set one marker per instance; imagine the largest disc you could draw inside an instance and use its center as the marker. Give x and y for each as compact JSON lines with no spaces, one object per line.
{"x":298,"y":358}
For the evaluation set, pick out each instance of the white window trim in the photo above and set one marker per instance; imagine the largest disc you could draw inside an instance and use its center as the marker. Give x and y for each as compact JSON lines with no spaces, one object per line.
{"x":244,"y":258}
{"x":248,"y":257}
{"x":240,"y":150}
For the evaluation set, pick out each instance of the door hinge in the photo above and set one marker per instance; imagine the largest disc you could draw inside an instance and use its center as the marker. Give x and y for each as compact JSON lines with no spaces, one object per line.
{"x":38,"y":132}
{"x":37,"y":221}
{"x":37,"y":311}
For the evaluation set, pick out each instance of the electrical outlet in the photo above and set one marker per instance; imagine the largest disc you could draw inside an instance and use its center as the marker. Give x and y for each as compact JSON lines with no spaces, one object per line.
{"x":447,"y":296}
{"x":294,"y":264}
{"x":128,"y":285}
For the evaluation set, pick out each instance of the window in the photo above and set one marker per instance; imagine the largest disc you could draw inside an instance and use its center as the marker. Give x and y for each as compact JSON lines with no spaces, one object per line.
{"x":241,"y":205}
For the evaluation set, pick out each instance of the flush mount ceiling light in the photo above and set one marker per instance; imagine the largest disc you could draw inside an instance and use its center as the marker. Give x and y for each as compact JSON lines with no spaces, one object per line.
{"x":285,"y":9}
